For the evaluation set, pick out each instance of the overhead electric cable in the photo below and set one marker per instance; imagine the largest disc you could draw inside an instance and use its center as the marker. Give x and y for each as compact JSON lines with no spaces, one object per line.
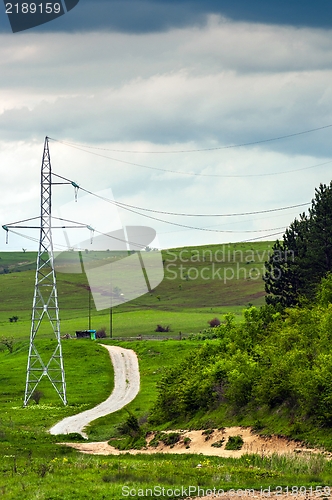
{"x":261,"y":141}
{"x":175,"y":223}
{"x":260,"y":237}
{"x":193,"y":173}
{"x":197,"y":228}
{"x":227,"y":223}
{"x":168,"y":222}
{"x":125,"y":205}
{"x":66,"y":247}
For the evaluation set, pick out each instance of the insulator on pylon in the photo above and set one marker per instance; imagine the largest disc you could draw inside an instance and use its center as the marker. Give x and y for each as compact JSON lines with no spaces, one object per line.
{"x":91,"y":233}
{"x":7,"y":231}
{"x":76,"y":188}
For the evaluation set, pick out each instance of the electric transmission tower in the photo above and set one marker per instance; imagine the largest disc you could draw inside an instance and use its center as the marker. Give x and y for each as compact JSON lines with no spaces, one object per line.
{"x":45,"y":299}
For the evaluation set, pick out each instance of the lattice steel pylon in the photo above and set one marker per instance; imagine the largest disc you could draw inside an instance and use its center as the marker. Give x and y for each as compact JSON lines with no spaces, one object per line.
{"x":45,"y":300}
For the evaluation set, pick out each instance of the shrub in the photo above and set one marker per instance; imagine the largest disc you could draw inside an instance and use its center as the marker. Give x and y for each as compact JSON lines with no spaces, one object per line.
{"x":214,"y":322}
{"x":101,"y":333}
{"x":132,"y":431}
{"x":218,"y":444}
{"x":234,"y":443}
{"x":36,"y":396}
{"x":161,"y":329}
{"x":206,"y":334}
{"x":208,"y":434}
{"x":169,"y":439}
{"x":8,"y":343}
{"x":130,"y":427}
{"x":155,"y":440}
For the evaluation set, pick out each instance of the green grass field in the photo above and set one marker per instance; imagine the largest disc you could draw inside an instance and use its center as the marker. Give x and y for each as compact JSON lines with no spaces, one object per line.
{"x":212,"y":281}
{"x":33,"y":466}
{"x":199,"y":284}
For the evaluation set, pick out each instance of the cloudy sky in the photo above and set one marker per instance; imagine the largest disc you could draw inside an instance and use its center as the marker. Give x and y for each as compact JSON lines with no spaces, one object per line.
{"x":171,"y":105}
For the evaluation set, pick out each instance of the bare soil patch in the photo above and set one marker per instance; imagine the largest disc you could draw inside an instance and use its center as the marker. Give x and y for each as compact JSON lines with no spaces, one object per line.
{"x":202,"y":444}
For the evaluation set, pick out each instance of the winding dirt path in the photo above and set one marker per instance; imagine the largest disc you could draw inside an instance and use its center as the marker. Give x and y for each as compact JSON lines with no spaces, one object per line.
{"x":126,"y":387}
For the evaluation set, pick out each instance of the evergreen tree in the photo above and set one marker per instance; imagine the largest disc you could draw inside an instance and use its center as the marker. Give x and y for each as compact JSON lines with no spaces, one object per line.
{"x":320,"y":231}
{"x":297,"y":263}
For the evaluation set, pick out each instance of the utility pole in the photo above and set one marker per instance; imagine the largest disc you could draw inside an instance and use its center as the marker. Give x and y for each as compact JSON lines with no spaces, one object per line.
{"x":45,"y":300}
{"x":111,"y":322}
{"x":89,"y":290}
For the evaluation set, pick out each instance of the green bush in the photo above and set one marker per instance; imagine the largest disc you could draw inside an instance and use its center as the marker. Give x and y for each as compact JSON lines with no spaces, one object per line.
{"x":218,"y":444}
{"x":234,"y":443}
{"x":130,"y":427}
{"x":168,"y":438}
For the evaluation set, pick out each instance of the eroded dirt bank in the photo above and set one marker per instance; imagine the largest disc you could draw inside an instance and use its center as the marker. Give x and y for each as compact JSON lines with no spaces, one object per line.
{"x":198,"y":442}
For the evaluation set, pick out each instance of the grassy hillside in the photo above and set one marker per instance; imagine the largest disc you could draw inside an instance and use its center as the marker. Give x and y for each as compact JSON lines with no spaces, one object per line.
{"x":200,"y":283}
{"x":271,"y":371}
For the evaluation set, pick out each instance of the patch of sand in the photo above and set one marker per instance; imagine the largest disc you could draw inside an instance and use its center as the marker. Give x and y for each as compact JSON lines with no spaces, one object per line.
{"x":202,"y":444}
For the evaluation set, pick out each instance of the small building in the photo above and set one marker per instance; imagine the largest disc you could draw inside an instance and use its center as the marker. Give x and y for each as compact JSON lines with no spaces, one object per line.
{"x":86,"y":334}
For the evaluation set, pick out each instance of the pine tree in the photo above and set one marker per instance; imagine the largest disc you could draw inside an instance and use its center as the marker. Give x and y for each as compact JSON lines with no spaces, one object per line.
{"x":298,"y":263}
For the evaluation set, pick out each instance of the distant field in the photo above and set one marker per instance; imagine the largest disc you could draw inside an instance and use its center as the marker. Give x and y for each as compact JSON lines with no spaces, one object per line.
{"x":199,"y":284}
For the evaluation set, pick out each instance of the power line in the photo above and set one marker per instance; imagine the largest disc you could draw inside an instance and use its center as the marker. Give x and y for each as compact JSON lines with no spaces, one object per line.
{"x":107,"y":200}
{"x":197,"y":228}
{"x":131,"y":208}
{"x":218,"y":148}
{"x":192,"y":173}
{"x":261,"y":237}
{"x":186,"y":226}
{"x":125,"y":205}
{"x":227,"y":223}
{"x":8,"y":227}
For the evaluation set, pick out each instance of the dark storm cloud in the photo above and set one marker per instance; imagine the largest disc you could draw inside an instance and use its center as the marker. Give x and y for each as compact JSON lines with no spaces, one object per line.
{"x":142,"y":16}
{"x":226,"y":83}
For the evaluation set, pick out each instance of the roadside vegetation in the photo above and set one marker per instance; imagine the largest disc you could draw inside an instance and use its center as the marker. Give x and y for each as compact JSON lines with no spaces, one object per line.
{"x":272,"y":371}
{"x":236,"y":361}
{"x":35,"y":466}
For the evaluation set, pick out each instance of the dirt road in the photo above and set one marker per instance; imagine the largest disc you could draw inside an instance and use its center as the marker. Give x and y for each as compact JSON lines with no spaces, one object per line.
{"x":126,"y":387}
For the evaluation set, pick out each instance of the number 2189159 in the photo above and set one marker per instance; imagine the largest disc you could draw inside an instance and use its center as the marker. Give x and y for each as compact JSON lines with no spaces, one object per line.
{"x":33,"y":8}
